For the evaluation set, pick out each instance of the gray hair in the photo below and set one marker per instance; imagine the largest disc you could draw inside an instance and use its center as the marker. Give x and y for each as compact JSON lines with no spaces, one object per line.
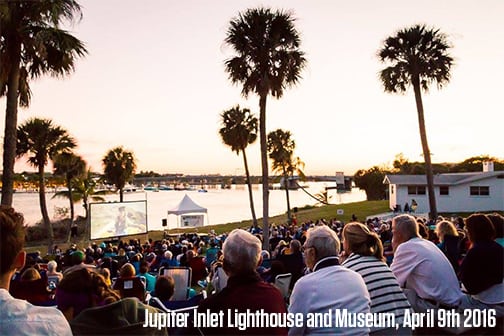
{"x":52,"y":265}
{"x":407,"y":225}
{"x":324,"y":240}
{"x":242,"y":251}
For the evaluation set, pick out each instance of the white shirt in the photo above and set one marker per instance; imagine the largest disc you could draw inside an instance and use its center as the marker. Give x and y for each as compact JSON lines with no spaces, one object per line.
{"x":421,"y":266}
{"x":19,"y":317}
{"x":329,"y":288}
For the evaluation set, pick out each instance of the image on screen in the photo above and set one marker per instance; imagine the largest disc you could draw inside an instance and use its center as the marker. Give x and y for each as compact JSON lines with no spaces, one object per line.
{"x":117,"y":219}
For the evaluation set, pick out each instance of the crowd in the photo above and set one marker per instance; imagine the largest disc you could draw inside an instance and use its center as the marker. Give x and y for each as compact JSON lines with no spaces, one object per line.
{"x":397,"y":267}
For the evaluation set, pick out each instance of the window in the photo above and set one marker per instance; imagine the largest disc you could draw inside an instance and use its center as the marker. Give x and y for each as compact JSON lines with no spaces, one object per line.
{"x":444,"y":190}
{"x":416,"y":190}
{"x":479,"y":191}
{"x":392,"y":189}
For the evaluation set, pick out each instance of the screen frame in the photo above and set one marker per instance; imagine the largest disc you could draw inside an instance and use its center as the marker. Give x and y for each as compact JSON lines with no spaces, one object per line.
{"x":118,"y":204}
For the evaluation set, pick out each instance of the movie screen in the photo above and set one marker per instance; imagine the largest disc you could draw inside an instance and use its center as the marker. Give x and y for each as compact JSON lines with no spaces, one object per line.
{"x":117,"y":219}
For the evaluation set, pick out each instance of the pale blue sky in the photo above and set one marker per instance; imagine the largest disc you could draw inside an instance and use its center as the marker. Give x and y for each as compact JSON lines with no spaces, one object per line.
{"x":154,"y":82}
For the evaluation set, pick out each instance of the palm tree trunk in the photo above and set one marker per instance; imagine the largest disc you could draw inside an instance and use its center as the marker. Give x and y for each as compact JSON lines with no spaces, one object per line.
{"x":286,"y":186}
{"x":121,"y":194}
{"x":43,"y":208}
{"x":264,"y":168}
{"x":10,"y":132}
{"x":249,"y":185}
{"x":425,"y":148}
{"x":72,"y":211}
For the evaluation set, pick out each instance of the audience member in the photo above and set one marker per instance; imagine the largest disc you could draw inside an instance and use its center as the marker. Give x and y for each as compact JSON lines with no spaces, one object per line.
{"x":150,"y":279}
{"x":482,"y":270}
{"x":82,"y":289}
{"x":420,"y":267}
{"x":292,"y":259}
{"x":165,"y":287}
{"x":244,"y":289}
{"x":18,"y":317}
{"x":365,"y":256}
{"x":30,"y":274}
{"x":498,"y":223}
{"x":449,"y":242}
{"x":328,"y":286}
{"x":52,"y":267}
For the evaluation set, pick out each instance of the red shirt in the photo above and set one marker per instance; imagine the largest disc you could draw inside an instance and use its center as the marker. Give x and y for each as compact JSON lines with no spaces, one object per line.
{"x":241,"y":293}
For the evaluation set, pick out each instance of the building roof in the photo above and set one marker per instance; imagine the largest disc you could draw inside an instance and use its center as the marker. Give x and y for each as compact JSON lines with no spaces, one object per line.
{"x":442,"y":179}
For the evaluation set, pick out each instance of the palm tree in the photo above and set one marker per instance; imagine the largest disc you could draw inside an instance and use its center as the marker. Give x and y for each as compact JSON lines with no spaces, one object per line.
{"x":281,"y":151}
{"x":84,"y":190}
{"x":119,"y":166}
{"x":267,"y":61}
{"x":70,"y":166}
{"x":42,"y":141}
{"x":31,"y":45}
{"x":239,"y":129}
{"x":418,"y":57}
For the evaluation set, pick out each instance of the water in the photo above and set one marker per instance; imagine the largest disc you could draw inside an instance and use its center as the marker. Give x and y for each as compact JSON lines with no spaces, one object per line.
{"x":224,"y":205}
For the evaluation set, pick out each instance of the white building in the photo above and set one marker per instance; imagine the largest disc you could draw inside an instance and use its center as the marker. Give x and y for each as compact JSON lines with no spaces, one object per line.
{"x":455,"y":192}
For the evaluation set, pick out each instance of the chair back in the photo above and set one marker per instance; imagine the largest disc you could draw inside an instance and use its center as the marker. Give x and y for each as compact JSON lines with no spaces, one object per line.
{"x":282,"y":282}
{"x":220,"y":279}
{"x":182,"y":277}
{"x":33,"y":291}
{"x":131,"y":287}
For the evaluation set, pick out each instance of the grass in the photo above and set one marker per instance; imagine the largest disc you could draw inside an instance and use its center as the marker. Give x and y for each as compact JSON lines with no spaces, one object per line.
{"x":360,"y":209}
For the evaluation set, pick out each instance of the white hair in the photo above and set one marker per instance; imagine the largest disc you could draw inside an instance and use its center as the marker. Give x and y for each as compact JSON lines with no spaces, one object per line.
{"x":324,"y":240}
{"x":407,"y":225}
{"x":242,"y":252}
{"x":52,"y":265}
{"x":168,"y":254}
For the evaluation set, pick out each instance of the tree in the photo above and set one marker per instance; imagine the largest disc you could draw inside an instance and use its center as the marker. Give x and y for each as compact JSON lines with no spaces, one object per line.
{"x":31,"y":45}
{"x":267,"y":61}
{"x":418,"y":57}
{"x":70,"y":166}
{"x":42,"y":141}
{"x":119,"y":167}
{"x":371,"y":181}
{"x":281,"y":151}
{"x":84,"y":190}
{"x":239,"y":129}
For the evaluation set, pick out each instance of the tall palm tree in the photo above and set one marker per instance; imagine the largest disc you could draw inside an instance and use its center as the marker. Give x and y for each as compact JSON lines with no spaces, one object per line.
{"x":42,"y":141}
{"x":239,"y":129}
{"x":267,"y":60}
{"x":70,"y":166}
{"x":31,"y":44}
{"x":119,"y":166}
{"x":417,"y":56}
{"x":281,"y":151}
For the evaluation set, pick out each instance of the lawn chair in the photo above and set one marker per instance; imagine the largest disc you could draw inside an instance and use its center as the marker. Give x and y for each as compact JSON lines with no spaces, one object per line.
{"x":282,"y":282}
{"x":182,"y":277}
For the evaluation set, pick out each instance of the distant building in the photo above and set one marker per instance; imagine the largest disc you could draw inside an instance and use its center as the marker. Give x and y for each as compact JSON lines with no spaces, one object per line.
{"x":455,"y":192}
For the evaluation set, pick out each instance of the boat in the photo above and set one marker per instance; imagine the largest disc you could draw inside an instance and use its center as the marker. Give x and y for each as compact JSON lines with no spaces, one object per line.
{"x":165,"y":187}
{"x":202,"y":190}
{"x":150,"y":188}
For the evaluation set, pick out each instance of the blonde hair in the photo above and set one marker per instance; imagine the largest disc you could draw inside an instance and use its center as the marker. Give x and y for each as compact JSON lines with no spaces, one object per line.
{"x":127,"y":271}
{"x":362,"y":241}
{"x":444,"y":228}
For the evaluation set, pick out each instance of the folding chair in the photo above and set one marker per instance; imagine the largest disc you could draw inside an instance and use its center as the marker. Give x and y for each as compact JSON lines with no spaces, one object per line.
{"x":282,"y":282}
{"x":182,"y":277}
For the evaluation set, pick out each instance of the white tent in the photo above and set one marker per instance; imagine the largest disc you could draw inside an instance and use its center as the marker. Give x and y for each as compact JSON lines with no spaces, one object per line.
{"x":187,"y":206}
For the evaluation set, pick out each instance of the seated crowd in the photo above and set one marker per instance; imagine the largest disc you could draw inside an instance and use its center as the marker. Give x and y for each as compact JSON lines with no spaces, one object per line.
{"x":397,"y":267}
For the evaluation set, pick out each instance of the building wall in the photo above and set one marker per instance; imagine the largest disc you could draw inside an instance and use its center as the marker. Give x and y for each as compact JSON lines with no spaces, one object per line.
{"x":458,"y":200}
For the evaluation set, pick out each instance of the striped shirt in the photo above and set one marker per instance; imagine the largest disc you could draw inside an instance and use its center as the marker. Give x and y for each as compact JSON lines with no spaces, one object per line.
{"x":386,"y":295}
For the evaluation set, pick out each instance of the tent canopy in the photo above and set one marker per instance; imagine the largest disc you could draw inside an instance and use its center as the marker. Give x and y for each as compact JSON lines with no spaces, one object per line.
{"x":186,"y":206}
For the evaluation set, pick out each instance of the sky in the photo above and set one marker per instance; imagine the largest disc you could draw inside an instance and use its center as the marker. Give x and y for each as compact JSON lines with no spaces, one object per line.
{"x":154,"y":82}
